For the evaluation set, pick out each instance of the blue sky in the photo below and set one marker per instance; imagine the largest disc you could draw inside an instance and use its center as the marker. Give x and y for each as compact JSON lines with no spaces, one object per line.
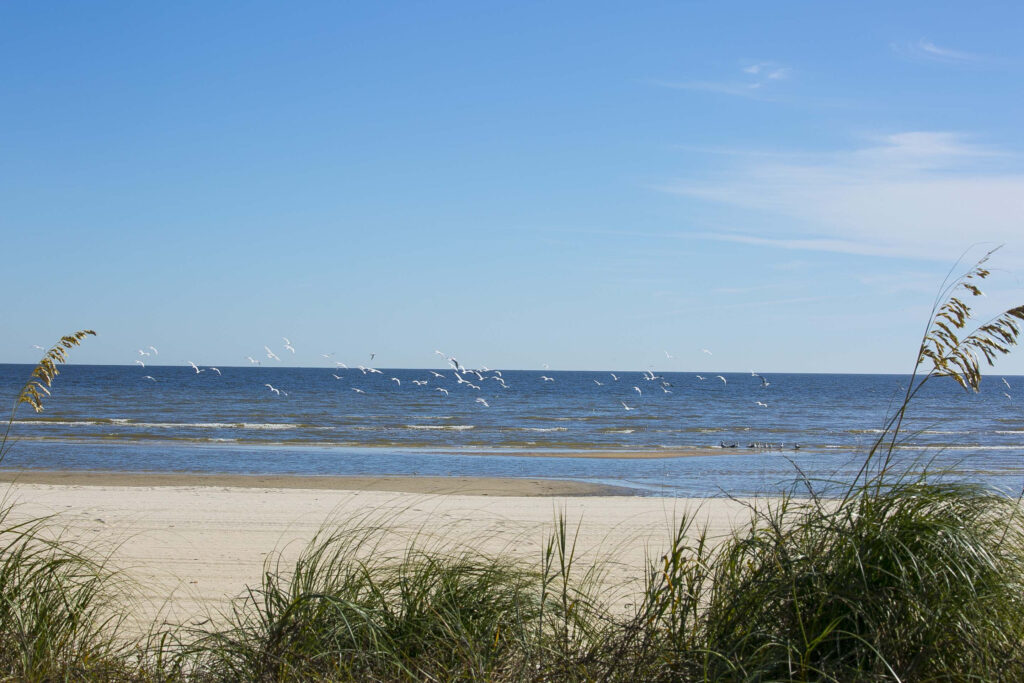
{"x":587,"y":185}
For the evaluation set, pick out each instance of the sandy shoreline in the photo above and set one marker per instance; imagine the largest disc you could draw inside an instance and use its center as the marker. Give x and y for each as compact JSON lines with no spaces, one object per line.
{"x":190,"y":548}
{"x":470,"y":486}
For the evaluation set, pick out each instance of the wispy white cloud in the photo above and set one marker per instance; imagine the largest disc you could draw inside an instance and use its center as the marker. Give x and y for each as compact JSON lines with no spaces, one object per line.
{"x":696,"y":307}
{"x":752,"y":90}
{"x":924,"y":194}
{"x":768,"y":70}
{"x":748,"y":290}
{"x":802,"y":244}
{"x":750,"y":82}
{"x":926,"y":49}
{"x":920,"y":282}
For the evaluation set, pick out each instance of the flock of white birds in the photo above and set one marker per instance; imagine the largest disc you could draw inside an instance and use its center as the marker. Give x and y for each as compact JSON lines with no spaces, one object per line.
{"x":459,"y":373}
{"x":468,"y":378}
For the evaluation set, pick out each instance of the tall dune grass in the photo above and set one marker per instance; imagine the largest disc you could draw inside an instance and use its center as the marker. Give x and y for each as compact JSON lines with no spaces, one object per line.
{"x":917,"y":580}
{"x":344,"y":613}
{"x":60,"y":608}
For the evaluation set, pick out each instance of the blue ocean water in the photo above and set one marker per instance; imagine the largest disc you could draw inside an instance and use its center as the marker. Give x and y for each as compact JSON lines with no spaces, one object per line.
{"x":400,"y":422}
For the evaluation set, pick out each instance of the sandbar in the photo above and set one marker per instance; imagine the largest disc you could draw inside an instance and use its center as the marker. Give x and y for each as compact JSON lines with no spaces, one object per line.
{"x":470,"y":486}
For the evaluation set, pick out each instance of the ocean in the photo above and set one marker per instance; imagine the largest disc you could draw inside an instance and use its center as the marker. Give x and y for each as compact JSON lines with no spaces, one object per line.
{"x":399,"y":422}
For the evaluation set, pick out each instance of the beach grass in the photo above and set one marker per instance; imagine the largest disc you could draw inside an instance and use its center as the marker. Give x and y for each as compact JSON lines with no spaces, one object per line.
{"x":914,"y":581}
{"x":61,"y":608}
{"x":918,"y":581}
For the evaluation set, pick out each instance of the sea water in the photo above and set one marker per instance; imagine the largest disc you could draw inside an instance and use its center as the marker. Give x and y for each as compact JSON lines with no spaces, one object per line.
{"x":783,"y":426}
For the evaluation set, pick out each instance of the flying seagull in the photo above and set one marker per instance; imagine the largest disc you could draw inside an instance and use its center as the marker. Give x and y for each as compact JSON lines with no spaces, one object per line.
{"x":625,"y":406}
{"x":139,"y":362}
{"x":217,"y":370}
{"x":195,"y":367}
{"x":271,"y":354}
{"x":442,"y":390}
{"x":485,"y":404}
{"x":722,"y":378}
{"x":707,"y":351}
{"x":276,"y":391}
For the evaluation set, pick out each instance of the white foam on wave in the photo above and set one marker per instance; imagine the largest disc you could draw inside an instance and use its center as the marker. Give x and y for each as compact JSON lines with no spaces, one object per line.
{"x":124,"y":422}
{"x":262,"y":426}
{"x":69,"y":423}
{"x":538,"y":429}
{"x":269,"y":426}
{"x":457,"y":428}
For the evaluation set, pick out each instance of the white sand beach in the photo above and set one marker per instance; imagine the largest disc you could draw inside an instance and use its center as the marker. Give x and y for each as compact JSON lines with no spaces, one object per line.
{"x":190,"y":545}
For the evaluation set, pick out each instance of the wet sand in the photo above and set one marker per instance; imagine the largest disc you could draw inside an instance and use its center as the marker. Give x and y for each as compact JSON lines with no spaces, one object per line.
{"x":471,"y":486}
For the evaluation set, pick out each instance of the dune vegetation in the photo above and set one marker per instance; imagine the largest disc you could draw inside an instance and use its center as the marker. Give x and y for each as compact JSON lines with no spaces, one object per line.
{"x":895,"y":576}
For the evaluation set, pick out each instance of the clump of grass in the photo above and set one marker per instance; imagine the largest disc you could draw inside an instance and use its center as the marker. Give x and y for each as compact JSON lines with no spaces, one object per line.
{"x":914,"y":581}
{"x":59,"y":613}
{"x":345,"y":611}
